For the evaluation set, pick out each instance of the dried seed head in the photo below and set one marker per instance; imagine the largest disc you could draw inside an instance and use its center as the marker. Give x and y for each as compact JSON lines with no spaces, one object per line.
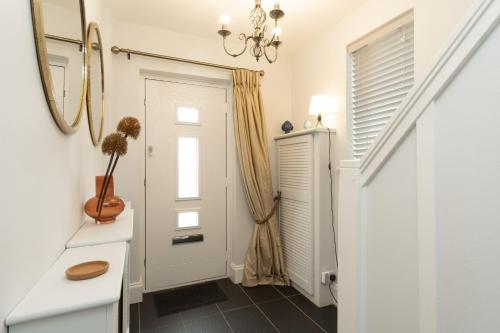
{"x":129,"y":126}
{"x":114,"y":143}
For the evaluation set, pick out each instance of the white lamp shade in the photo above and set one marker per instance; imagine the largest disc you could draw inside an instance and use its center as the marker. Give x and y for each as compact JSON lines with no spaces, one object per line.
{"x":321,"y":104}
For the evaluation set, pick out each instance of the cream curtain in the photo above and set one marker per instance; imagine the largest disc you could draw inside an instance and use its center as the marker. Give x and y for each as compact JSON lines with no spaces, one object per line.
{"x":264,"y":262}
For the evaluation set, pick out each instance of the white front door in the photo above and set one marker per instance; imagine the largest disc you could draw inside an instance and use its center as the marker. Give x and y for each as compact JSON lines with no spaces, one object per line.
{"x":185,"y":182}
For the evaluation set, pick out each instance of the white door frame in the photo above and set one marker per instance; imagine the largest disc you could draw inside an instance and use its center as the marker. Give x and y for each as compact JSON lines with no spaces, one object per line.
{"x":232,"y":164}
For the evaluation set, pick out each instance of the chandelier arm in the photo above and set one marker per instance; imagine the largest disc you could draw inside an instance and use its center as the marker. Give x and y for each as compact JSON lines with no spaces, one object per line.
{"x":241,"y":37}
{"x":269,"y":43}
{"x":275,"y":55}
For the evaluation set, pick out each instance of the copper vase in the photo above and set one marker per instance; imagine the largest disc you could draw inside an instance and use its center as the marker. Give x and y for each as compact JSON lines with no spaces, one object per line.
{"x":112,"y":206}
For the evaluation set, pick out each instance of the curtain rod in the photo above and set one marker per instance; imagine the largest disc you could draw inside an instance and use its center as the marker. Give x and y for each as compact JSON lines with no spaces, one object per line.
{"x":65,"y":39}
{"x":116,"y":50}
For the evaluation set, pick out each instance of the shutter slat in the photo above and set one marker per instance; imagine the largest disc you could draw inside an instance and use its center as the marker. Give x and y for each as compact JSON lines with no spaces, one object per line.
{"x":383,"y":118}
{"x":376,"y":78}
{"x":384,"y":80}
{"x":388,"y":110}
{"x":401,"y":65}
{"x":399,"y":55}
{"x":393,"y":98}
{"x":381,"y":92}
{"x":394,"y":38}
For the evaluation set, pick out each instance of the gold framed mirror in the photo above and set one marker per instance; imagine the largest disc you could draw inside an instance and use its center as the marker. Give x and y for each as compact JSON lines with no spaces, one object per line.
{"x":59,"y":27}
{"x":95,"y":83}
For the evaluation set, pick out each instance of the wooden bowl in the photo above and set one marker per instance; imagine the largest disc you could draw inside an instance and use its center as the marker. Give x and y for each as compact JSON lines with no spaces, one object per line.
{"x":87,"y":270}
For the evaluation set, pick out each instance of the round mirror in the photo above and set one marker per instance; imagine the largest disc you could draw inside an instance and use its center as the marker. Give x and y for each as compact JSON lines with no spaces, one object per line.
{"x":60,"y":36}
{"x":95,"y":80}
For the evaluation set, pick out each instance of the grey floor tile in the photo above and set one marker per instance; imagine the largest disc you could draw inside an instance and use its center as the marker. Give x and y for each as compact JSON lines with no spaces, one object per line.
{"x":176,"y":328}
{"x":134,"y":318}
{"x":326,"y":317}
{"x":149,"y":316}
{"x":212,"y":324}
{"x":287,"y":290}
{"x":287,"y":318}
{"x":199,"y":312}
{"x":248,"y":320}
{"x":236,"y":298}
{"x":262,"y":294}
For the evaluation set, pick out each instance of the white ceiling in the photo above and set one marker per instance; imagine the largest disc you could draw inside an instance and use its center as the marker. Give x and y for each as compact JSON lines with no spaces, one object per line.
{"x":303,"y":18}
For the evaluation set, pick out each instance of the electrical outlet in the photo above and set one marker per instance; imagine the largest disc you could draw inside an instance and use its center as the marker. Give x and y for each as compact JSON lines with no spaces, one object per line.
{"x":326,"y":277}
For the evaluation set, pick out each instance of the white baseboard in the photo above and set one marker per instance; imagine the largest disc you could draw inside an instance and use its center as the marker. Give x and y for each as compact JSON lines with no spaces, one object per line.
{"x":136,"y":289}
{"x":236,"y":272}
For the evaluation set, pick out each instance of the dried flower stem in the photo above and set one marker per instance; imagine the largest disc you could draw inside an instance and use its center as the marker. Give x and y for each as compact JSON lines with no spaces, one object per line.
{"x":107,"y":184}
{"x":107,"y":179}
{"x":101,"y":194}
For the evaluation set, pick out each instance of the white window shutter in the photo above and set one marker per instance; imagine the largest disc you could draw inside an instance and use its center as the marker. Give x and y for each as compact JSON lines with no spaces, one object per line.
{"x":381,"y":76}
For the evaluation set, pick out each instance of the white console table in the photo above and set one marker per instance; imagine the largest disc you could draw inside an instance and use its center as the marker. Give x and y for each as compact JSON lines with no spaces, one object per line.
{"x":57,"y":304}
{"x":122,"y":230}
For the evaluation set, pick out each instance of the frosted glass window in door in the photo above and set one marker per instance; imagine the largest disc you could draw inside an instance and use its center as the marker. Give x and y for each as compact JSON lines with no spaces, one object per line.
{"x":187,"y":220}
{"x":188,"y":115}
{"x":187,"y":167}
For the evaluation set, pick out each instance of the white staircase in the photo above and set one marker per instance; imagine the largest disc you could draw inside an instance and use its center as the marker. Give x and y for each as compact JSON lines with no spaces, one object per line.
{"x":419,"y":215}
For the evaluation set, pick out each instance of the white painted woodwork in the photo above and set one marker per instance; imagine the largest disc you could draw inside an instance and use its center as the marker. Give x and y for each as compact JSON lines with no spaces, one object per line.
{"x":56,"y":304}
{"x":90,"y":233}
{"x":467,"y":193}
{"x":349,"y":247}
{"x":426,"y":221}
{"x":295,"y":170}
{"x":305,"y":219}
{"x":422,"y":208}
{"x":169,"y":265}
{"x":121,"y":230}
{"x":390,"y":223}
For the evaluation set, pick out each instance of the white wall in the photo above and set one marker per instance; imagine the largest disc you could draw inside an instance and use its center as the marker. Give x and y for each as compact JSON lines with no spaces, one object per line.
{"x":128,"y":101}
{"x":321,"y":65}
{"x":46,"y":176}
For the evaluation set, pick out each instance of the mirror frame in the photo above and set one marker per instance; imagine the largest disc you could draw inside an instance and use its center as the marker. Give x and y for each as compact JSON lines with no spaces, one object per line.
{"x":96,"y":138}
{"x":43,"y":66}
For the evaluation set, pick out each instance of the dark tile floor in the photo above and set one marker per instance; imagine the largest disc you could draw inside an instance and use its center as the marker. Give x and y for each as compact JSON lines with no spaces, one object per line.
{"x":247,"y":310}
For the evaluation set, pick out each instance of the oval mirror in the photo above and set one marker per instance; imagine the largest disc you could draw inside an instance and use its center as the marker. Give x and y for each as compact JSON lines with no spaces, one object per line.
{"x":60,"y":37}
{"x":95,"y":83}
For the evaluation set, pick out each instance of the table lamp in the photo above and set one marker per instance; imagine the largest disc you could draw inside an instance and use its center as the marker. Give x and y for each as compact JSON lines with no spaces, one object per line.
{"x":321,"y":105}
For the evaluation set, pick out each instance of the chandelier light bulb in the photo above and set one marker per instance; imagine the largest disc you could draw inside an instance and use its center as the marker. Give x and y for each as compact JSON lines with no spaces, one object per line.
{"x":277,"y":31}
{"x":225,"y":19}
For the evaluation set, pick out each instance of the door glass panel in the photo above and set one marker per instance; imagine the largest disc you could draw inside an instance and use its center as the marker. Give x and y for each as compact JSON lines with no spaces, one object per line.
{"x":188,"y":162}
{"x":189,"y":115}
{"x":187,"y":220}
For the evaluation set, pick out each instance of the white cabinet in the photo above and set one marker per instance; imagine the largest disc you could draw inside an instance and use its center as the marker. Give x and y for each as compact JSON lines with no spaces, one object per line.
{"x":58,"y":305}
{"x":305,"y":210}
{"x":98,"y":319}
{"x":122,"y":230}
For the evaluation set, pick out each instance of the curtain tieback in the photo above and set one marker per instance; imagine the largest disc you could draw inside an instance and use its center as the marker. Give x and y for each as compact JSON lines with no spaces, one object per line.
{"x":273,"y":210}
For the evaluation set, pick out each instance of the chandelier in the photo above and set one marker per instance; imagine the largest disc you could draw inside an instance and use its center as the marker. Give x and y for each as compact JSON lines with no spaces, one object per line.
{"x":261,"y":43}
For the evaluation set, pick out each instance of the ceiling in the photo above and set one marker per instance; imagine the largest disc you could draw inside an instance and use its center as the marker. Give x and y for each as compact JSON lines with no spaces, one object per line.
{"x":302,"y":18}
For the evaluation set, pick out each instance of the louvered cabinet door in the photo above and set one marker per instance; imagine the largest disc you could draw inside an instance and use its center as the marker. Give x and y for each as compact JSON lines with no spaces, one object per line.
{"x":295,"y":163}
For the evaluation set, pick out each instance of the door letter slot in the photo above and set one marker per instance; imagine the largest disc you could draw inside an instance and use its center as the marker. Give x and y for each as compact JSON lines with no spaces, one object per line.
{"x":187,"y":239}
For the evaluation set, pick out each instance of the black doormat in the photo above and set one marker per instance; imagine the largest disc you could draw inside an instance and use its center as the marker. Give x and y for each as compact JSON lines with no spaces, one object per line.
{"x":180,"y":299}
